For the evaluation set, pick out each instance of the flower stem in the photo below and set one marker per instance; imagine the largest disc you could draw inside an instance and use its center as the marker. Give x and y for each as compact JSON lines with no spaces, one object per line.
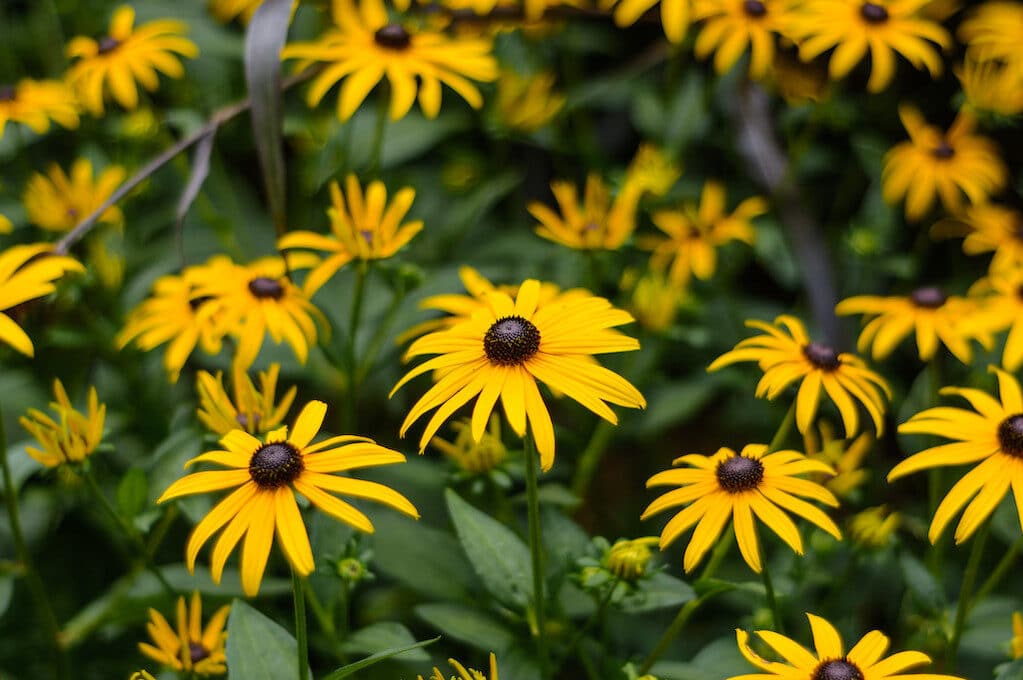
{"x":999,"y":572}
{"x":965,"y":593}
{"x":301,"y":636}
{"x":591,"y":456}
{"x":32,"y":578}
{"x":376,"y":155}
{"x":716,"y":557}
{"x":535,"y":552}
{"x":684,"y":614}
{"x":352,"y":354}
{"x":783,"y":430}
{"x":772,"y":599}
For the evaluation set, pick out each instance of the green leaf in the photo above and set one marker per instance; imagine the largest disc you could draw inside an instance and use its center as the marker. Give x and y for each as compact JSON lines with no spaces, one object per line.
{"x":498,"y":556}
{"x":264,"y":40}
{"x":382,"y":637}
{"x":200,"y":171}
{"x":1010,"y":671}
{"x":432,"y":564}
{"x":132,"y":492}
{"x":257,"y":647}
{"x":922,"y":586}
{"x":348,"y":670}
{"x":657,"y":592}
{"x":468,"y":625}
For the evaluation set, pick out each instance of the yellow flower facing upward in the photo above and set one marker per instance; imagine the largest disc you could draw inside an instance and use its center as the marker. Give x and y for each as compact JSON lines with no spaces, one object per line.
{"x":363,"y":227}
{"x":527,"y":103}
{"x":466,"y":673}
{"x":993,"y":227}
{"x":787,"y":355}
{"x":366,"y":45}
{"x":254,"y":410}
{"x":992,"y":86}
{"x":1016,"y":646}
{"x":72,"y":436}
{"x":34,"y":103}
{"x":268,"y":473}
{"x":993,"y":31}
{"x":58,"y":201}
{"x":931,"y":315}
{"x":874,"y":527}
{"x":948,"y":165}
{"x":474,"y":457}
{"x":675,"y":14}
{"x":695,"y":232}
{"x":28,"y":272}
{"x":730,"y":26}
{"x":598,"y":224}
{"x":126,"y":57}
{"x":628,"y":559}
{"x":191,"y":648}
{"x":992,"y":434}
{"x":845,"y":457}
{"x":866,"y":659}
{"x":504,"y":349}
{"x":738,"y":486}
{"x":880,"y":27}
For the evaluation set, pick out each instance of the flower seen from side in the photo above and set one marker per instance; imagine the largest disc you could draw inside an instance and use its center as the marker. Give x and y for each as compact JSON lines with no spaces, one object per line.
{"x":57,"y":201}
{"x":675,"y":14}
{"x":35,"y":103}
{"x":845,"y":456}
{"x":474,"y":457}
{"x":190,"y":648}
{"x":1001,"y":301}
{"x":737,"y":487}
{"x":654,"y":299}
{"x":991,"y":435}
{"x":992,"y":87}
{"x":265,"y":474}
{"x":991,"y":227}
{"x":70,"y":437}
{"x":866,"y":659}
{"x":946,"y":165}
{"x":127,"y":56}
{"x":598,"y":223}
{"x":466,"y":673}
{"x":505,"y":348}
{"x":874,"y":527}
{"x":628,"y":559}
{"x":527,"y":103}
{"x":365,"y":46}
{"x":730,"y":26}
{"x":28,"y":272}
{"x":255,"y":410}
{"x":652,"y":170}
{"x":787,"y":355}
{"x":992,"y":31}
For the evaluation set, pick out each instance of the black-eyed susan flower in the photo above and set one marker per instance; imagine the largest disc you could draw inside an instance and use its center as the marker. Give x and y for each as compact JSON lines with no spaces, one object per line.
{"x":991,"y":434}
{"x":993,"y":227}
{"x":843,"y":456}
{"x":28,"y":272}
{"x":787,"y":355}
{"x":864,"y":661}
{"x":504,"y":349}
{"x":190,"y":648}
{"x":34,"y":103}
{"x":874,"y":527}
{"x":881,"y":27}
{"x":471,"y":456}
{"x":992,"y":86}
{"x":127,"y":57}
{"x":527,"y":103}
{"x":69,"y":438}
{"x":600,"y":223}
{"x":932,"y":316}
{"x":268,"y":473}
{"x":730,"y":26}
{"x":466,"y":673}
{"x":738,"y":486}
{"x":365,"y":46}
{"x":992,"y":31}
{"x":1016,"y":645}
{"x":947,"y":165}
{"x":695,"y":232}
{"x":57,"y":201}
{"x":255,"y":410}
{"x":675,"y":14}
{"x":364,"y":226}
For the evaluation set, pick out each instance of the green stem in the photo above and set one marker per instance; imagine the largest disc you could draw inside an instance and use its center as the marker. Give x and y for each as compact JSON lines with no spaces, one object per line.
{"x":301,"y":636}
{"x":684,"y":614}
{"x":32,"y":578}
{"x":320,"y":612}
{"x":1000,"y":570}
{"x":589,"y":461}
{"x":157,"y":535}
{"x":352,"y":354}
{"x":772,"y":599}
{"x":535,"y":551}
{"x":783,"y":430}
{"x":716,"y":557}
{"x":379,"y":129}
{"x":598,"y":615}
{"x":965,"y":593}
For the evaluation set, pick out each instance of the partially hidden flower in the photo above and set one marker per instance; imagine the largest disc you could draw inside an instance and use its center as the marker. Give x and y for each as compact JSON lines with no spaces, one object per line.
{"x":57,"y":201}
{"x":874,"y":527}
{"x":675,"y":14}
{"x":654,"y":300}
{"x":845,"y":457}
{"x":253,"y":409}
{"x":1001,"y":302}
{"x":34,"y":103}
{"x":992,"y":32}
{"x":598,"y":223}
{"x":628,"y":559}
{"x":1016,"y":646}
{"x":70,"y":437}
{"x":730,"y":26}
{"x":28,"y":272}
{"x":191,"y":647}
{"x":992,"y":86}
{"x":991,"y":227}
{"x":6,"y":227}
{"x":466,"y":673}
{"x":474,"y":457}
{"x":527,"y":103}
{"x":652,"y":170}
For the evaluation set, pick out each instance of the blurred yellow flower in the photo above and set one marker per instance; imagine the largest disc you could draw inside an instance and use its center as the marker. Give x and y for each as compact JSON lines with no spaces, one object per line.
{"x":730,"y":26}
{"x":125,"y":57}
{"x":466,"y":673}
{"x":366,"y":46}
{"x":628,"y":559}
{"x":363,"y":227}
{"x":652,"y":170}
{"x":474,"y":457}
{"x":6,"y":227}
{"x":874,"y":527}
{"x":57,"y":201}
{"x":948,"y":165}
{"x":141,"y":675}
{"x":72,"y":437}
{"x":993,"y":227}
{"x":226,"y":10}
{"x":798,"y":81}
{"x":527,"y":103}
{"x":993,"y":30}
{"x":1017,"y":635}
{"x":845,"y":457}
{"x":654,"y":299}
{"x":992,"y":86}
{"x":35,"y":103}
{"x":254,"y":410}
{"x":675,"y":14}
{"x":1001,"y":307}
{"x":191,"y":648}
{"x":598,"y":224}
{"x":28,"y":272}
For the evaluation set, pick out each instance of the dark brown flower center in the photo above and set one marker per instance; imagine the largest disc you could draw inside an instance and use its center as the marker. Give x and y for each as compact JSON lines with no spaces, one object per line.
{"x":754,"y":8}
{"x":197,"y":652}
{"x":511,"y":340}
{"x":838,"y":669}
{"x":107,"y":44}
{"x":822,"y":356}
{"x":265,"y":287}
{"x":393,"y":37}
{"x":929,"y":297}
{"x":740,"y":473}
{"x":873,"y":13}
{"x":274,"y":465}
{"x":943,"y":151}
{"x":7,"y":93}
{"x":1010,"y":435}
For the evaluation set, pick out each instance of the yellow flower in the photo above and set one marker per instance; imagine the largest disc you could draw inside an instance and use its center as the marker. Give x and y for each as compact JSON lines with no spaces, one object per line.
{"x":787,"y":357}
{"x":28,"y":272}
{"x":58,"y":202}
{"x":882,"y":27}
{"x":652,"y":170}
{"x":732,"y":25}
{"x":739,"y":486}
{"x":992,"y":86}
{"x":268,"y":473}
{"x":35,"y":103}
{"x":505,"y":348}
{"x":72,"y":437}
{"x":1003,"y":308}
{"x":466,"y":673}
{"x":1017,"y":635}
{"x":845,"y":457}
{"x":141,"y":675}
{"x":628,"y":559}
{"x":126,"y":56}
{"x":655,"y":300}
{"x":527,"y":103}
{"x":694,"y":233}
{"x":675,"y":14}
{"x":226,"y":10}
{"x":947,"y":164}
{"x":366,"y":46}
{"x":864,"y":660}
{"x":874,"y":527}
{"x":191,"y":648}
{"x":994,"y":435}
{"x":993,"y":31}
{"x":797,"y":81}
{"x":6,"y":227}
{"x":475,"y":457}
{"x":363,"y":227}
{"x":598,"y":224}
{"x":253,"y":410}
{"x":993,"y":227}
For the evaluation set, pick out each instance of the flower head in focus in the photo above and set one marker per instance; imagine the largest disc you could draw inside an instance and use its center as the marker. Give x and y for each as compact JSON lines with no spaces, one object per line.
{"x":28,"y":272}
{"x":255,"y":410}
{"x":58,"y":201}
{"x":72,"y":436}
{"x":34,"y":103}
{"x":191,"y":648}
